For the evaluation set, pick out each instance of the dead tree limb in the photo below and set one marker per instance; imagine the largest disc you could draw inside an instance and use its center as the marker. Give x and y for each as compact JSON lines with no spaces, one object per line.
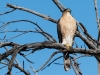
{"x":96,"y":11}
{"x":52,"y":62}
{"x":48,"y":44}
{"x":33,"y":12}
{"x":87,"y":34}
{"x":98,"y":25}
{"x":86,"y":41}
{"x":47,"y":61}
{"x":7,"y":12}
{"x":59,"y":5}
{"x":39,"y":30}
{"x":75,"y":65}
{"x":10,"y":65}
{"x":18,"y":67}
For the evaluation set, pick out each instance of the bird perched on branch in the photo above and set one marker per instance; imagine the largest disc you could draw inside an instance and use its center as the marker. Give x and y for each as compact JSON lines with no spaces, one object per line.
{"x":66,"y":29}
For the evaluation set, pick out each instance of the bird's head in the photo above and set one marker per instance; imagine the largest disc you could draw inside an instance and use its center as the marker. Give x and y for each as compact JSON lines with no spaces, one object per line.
{"x":67,"y":10}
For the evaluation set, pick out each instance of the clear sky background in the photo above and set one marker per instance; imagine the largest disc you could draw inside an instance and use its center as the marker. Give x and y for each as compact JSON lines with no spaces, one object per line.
{"x":82,"y":10}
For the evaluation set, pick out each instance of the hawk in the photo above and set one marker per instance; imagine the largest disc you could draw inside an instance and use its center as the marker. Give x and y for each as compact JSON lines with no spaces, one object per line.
{"x":66,"y":29}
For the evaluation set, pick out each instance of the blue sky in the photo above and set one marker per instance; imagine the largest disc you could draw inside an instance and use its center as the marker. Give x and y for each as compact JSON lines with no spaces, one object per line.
{"x":82,"y":10}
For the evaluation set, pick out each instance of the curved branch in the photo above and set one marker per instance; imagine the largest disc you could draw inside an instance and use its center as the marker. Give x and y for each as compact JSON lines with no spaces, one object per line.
{"x":41,"y":31}
{"x":5,"y":24}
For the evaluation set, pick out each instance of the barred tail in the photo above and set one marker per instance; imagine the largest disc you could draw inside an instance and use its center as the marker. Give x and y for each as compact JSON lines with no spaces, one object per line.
{"x":66,"y":62}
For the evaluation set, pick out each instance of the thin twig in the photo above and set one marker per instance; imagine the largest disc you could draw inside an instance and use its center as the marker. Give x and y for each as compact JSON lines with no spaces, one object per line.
{"x":48,"y":60}
{"x":45,"y":34}
{"x":7,"y":12}
{"x":28,"y":59}
{"x":17,"y":62}
{"x":52,"y":62}
{"x":6,"y":48}
{"x":84,"y":55}
{"x":33,"y":70}
{"x":17,"y":36}
{"x":3,"y":67}
{"x":48,"y":36}
{"x":23,"y":65}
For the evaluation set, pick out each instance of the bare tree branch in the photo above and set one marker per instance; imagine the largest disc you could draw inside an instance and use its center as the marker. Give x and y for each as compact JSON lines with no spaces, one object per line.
{"x":11,"y":62}
{"x":14,"y":21}
{"x":33,"y":12}
{"x":7,"y":12}
{"x":3,"y":44}
{"x":41,"y":31}
{"x":48,"y":36}
{"x":3,"y":67}
{"x":45,"y":34}
{"x":48,"y":44}
{"x":16,"y":66}
{"x":27,"y":58}
{"x":33,"y":70}
{"x":96,"y":11}
{"x":87,"y":34}
{"x":75,"y":69}
{"x":48,"y":61}
{"x":59,"y":5}
{"x":75,"y":66}
{"x":16,"y":36}
{"x":98,"y":24}
{"x":19,"y":67}
{"x":52,"y":62}
{"x":86,"y":41}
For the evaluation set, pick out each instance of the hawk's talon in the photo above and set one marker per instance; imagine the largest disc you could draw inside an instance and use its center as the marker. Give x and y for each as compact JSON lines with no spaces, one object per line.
{"x":68,"y":46}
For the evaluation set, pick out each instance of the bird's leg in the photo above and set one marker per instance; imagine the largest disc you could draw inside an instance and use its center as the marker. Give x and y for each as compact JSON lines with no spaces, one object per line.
{"x":68,"y":46}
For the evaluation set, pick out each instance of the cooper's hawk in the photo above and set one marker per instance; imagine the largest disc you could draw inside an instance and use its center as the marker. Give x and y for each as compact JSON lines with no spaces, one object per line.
{"x":66,"y":29}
